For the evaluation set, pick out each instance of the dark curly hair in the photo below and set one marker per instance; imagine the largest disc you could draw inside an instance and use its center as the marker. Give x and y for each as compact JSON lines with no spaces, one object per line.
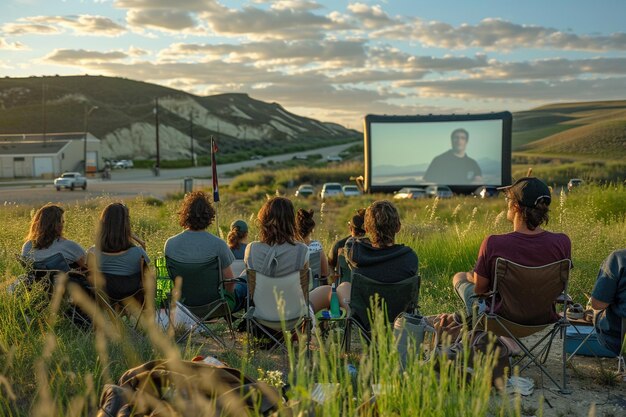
{"x":304,"y":223}
{"x":277,"y":223}
{"x":197,"y":212}
{"x":382,"y":222}
{"x":46,"y":226}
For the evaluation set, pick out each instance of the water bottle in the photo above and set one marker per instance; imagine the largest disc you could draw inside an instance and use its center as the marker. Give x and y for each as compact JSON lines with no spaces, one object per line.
{"x":335,"y":312}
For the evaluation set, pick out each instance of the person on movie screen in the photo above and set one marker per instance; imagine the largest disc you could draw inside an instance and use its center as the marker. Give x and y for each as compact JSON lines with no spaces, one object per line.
{"x":454,"y":167}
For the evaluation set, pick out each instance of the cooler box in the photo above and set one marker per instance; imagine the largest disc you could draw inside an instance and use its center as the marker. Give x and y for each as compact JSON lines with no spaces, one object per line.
{"x":575,"y":335}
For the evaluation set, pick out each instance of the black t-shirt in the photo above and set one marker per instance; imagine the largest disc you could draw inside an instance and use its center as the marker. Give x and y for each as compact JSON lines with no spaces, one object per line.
{"x":448,"y":168}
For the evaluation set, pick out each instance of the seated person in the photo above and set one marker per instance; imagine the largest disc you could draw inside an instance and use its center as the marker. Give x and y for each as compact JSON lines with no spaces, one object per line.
{"x":355,"y":226}
{"x":195,"y":244}
{"x":378,"y":258}
{"x":45,"y":238}
{"x":277,"y":252}
{"x":609,"y":296}
{"x":528,"y":201}
{"x":238,"y":238}
{"x":115,"y":253}
{"x":305,"y":224}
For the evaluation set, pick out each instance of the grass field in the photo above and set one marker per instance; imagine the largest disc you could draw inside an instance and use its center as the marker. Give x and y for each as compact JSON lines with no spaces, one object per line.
{"x":48,"y":367}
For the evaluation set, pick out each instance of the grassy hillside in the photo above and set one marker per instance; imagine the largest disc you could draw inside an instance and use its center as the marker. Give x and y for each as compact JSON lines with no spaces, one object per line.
{"x":241,"y":122}
{"x":558,"y":121}
{"x":603,"y":139}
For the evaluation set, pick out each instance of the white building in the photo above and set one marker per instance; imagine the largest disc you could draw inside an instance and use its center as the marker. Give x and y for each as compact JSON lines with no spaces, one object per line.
{"x":36,"y":156}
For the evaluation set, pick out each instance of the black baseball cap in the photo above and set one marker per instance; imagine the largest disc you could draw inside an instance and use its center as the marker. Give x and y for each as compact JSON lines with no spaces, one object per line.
{"x":529,"y":191}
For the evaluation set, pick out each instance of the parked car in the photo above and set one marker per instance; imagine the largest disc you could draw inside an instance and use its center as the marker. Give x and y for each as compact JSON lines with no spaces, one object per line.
{"x":331,"y":189}
{"x":350,"y":190}
{"x":410,"y":192}
{"x":486,"y":191}
{"x":305,"y":190}
{"x":334,"y":158}
{"x":70,"y":180}
{"x":441,"y":191}
{"x":123,"y":164}
{"x":573,"y":183}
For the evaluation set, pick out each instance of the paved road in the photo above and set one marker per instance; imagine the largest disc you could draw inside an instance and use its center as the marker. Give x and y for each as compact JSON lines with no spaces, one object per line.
{"x":127,"y":184}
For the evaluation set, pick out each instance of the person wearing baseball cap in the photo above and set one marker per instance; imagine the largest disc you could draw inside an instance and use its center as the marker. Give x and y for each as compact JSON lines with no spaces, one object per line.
{"x":528,"y":202}
{"x":237,"y":238}
{"x":355,"y":225}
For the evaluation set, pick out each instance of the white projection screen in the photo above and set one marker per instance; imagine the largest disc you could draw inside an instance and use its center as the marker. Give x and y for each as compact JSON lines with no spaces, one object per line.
{"x":461,"y":151}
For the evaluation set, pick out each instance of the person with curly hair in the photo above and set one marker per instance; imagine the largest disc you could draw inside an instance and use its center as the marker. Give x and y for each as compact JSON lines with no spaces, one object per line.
{"x":379,"y":258}
{"x":195,"y":244}
{"x":528,"y":203}
{"x":277,"y":252}
{"x":355,"y":226}
{"x":46,"y":239}
{"x":305,"y":224}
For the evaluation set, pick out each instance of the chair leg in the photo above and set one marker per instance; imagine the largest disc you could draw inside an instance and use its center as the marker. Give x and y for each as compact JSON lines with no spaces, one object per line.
{"x":564,"y":390}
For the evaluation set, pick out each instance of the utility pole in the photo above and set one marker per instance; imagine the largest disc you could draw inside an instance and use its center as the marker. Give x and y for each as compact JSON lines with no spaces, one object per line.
{"x":43,"y":108}
{"x":87,"y":113}
{"x":193,"y":159}
{"x":157,"y":166}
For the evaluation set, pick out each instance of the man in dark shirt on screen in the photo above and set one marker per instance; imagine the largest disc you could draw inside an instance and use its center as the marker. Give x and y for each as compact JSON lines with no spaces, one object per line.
{"x":454,"y":166}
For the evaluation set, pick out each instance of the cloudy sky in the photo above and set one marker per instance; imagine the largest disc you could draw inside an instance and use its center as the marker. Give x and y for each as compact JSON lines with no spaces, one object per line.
{"x":333,"y":60}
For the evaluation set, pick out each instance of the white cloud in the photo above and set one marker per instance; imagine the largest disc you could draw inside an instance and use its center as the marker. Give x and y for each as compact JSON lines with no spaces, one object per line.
{"x":295,"y":5}
{"x":371,"y":17}
{"x":80,"y":57}
{"x":256,"y":23}
{"x":498,"y":34}
{"x":80,"y":24}
{"x":555,"y":68}
{"x":537,"y":90}
{"x":278,"y":52}
{"x":11,"y":46}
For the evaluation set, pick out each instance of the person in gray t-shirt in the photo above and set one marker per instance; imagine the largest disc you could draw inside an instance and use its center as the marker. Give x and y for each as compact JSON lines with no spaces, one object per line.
{"x":45,"y":238}
{"x":116,"y":254}
{"x":277,"y":253}
{"x":195,"y":244}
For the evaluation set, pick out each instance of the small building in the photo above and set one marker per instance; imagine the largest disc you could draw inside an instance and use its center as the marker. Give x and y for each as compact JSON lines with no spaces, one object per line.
{"x":47,"y":156}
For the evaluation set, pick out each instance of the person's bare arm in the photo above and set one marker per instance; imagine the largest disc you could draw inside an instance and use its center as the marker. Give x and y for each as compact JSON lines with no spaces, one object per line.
{"x":481,"y":284}
{"x":323,"y":264}
{"x":227,"y":273}
{"x":598,"y":305}
{"x":139,"y":240}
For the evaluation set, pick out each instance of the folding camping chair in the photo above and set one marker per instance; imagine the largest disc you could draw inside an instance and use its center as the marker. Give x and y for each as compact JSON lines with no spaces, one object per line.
{"x":47,"y":271}
{"x":525,"y":299}
{"x":121,"y":296}
{"x":238,"y":266}
{"x":395,"y":298}
{"x":621,"y":364}
{"x":315,"y":268}
{"x":278,"y":304}
{"x":345,"y":273}
{"x":202,"y":294}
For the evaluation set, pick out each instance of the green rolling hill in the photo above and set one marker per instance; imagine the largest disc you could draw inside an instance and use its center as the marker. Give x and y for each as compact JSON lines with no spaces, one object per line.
{"x":125,"y":119}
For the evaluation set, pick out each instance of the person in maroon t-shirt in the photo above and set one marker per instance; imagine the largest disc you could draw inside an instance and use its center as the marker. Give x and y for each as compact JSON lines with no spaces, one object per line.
{"x":528,"y":201}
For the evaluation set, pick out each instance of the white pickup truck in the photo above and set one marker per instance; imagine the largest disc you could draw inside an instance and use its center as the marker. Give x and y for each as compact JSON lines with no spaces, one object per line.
{"x":70,"y":180}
